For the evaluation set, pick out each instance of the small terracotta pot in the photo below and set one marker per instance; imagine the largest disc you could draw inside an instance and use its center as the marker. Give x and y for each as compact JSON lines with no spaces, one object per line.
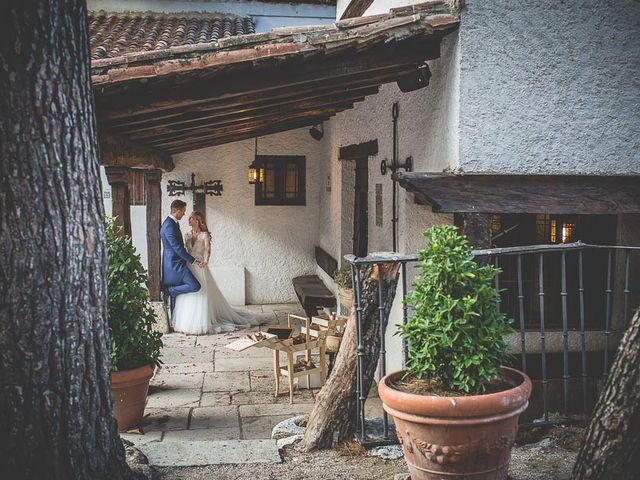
{"x":346,"y":297}
{"x":130,"y":389}
{"x":457,"y":438}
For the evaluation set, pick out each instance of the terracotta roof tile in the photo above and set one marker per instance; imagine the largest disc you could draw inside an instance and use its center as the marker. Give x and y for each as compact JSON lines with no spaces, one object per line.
{"x":116,"y":34}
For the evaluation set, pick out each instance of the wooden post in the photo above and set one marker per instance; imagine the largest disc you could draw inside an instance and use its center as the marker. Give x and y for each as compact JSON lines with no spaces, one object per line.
{"x":153,"y":200}
{"x":118,"y":178}
{"x":476,"y":227}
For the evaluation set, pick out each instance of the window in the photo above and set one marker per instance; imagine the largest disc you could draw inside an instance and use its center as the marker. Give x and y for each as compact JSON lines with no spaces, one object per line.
{"x":284,"y":180}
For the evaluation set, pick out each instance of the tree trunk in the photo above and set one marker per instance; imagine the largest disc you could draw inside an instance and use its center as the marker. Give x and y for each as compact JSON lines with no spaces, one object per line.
{"x":56,"y":419}
{"x":612,"y":445}
{"x":333,"y":417}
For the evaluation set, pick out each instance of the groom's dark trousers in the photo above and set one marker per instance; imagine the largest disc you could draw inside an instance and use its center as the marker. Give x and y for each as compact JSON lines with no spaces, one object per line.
{"x":175,"y":273}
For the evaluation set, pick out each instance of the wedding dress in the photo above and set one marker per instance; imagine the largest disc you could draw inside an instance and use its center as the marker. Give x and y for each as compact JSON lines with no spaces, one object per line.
{"x":206,"y":311}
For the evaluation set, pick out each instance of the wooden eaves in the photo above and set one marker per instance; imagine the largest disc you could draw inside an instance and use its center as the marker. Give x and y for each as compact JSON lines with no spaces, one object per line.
{"x":193,"y":96}
{"x":552,"y":194}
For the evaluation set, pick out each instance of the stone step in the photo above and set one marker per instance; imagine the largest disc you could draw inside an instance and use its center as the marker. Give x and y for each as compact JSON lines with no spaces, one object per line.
{"x":178,"y":453}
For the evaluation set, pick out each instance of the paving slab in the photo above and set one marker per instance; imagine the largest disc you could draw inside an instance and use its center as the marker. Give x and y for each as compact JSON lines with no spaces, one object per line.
{"x":164,"y":380}
{"x":178,"y":340}
{"x":249,"y":353}
{"x":187,"y":354}
{"x":215,"y":399}
{"x":260,"y":427}
{"x":287,"y":307}
{"x":202,"y":434}
{"x":174,"y":398}
{"x":198,"y":453}
{"x":186,"y":367}
{"x":255,"y":398}
{"x":159,"y":420}
{"x":277,"y":409}
{"x":264,"y":381}
{"x":252,"y":308}
{"x":138,"y":439}
{"x":214,"y":417}
{"x":373,"y":407}
{"x":219,"y":339}
{"x":226,"y":382}
{"x":243,"y":364}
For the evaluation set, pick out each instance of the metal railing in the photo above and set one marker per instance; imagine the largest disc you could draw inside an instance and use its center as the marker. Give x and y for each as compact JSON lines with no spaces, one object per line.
{"x":531,"y":270}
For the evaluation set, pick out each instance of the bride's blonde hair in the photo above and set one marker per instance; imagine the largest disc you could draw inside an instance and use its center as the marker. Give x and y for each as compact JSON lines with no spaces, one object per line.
{"x":201,"y":222}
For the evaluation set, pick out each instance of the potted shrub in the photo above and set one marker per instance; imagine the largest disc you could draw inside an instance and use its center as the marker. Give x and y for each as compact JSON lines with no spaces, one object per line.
{"x":455,"y":406}
{"x":343,"y":279}
{"x":135,"y":347}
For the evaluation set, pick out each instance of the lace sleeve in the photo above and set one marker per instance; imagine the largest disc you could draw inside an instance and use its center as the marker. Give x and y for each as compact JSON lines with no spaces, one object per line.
{"x":207,"y":246}
{"x":187,"y":243}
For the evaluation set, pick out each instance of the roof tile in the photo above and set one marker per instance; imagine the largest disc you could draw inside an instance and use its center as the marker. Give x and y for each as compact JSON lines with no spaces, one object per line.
{"x":116,"y":34}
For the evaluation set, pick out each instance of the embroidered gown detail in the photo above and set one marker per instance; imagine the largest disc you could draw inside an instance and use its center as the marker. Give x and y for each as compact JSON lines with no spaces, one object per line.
{"x":206,"y":311}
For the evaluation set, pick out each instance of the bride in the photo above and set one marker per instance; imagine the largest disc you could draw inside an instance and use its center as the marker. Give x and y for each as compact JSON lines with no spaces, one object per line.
{"x":206,"y":311}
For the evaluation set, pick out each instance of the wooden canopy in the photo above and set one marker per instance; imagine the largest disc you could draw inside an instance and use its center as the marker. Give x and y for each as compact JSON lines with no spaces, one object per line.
{"x":554,"y":194}
{"x":192,"y":96}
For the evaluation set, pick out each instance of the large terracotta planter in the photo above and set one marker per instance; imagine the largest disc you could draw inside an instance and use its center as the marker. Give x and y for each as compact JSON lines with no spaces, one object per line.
{"x":457,"y":438}
{"x":130,"y":389}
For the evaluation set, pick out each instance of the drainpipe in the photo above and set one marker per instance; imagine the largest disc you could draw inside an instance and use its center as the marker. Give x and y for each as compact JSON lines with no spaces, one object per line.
{"x":394,"y":166}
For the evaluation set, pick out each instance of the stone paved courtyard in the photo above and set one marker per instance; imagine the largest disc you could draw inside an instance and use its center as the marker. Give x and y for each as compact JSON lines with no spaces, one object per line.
{"x":211,"y":405}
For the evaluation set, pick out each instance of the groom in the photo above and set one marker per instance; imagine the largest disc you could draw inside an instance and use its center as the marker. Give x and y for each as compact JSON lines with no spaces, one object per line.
{"x":176,"y":277}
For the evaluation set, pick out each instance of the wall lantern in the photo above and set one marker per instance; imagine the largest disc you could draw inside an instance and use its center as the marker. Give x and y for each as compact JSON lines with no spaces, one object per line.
{"x":255,"y":173}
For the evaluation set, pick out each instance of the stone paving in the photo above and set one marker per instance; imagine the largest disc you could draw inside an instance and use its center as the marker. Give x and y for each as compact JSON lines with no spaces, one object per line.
{"x":211,"y":405}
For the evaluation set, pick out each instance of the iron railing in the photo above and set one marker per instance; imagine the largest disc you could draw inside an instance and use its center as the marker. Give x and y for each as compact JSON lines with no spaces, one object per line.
{"x":532,"y":270}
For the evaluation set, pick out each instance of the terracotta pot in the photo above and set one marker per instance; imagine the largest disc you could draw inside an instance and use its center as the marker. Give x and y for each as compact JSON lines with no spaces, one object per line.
{"x":130,"y":389}
{"x":457,"y":437}
{"x":346,"y":297}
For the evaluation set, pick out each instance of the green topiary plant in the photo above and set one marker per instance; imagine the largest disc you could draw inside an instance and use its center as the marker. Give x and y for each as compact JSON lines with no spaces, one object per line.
{"x":343,"y":277}
{"x":131,"y":318}
{"x":457,"y":334}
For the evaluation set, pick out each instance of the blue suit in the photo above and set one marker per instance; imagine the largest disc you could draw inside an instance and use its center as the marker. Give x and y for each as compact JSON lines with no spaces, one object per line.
{"x":175,"y":273}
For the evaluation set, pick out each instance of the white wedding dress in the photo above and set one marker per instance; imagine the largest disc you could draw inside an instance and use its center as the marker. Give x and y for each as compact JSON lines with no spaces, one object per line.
{"x":206,"y":311}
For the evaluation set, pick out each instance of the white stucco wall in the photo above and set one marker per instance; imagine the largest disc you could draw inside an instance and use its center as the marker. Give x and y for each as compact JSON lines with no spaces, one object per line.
{"x":550,"y":87}
{"x":427,"y":131}
{"x":266,"y":16}
{"x":272,"y":243}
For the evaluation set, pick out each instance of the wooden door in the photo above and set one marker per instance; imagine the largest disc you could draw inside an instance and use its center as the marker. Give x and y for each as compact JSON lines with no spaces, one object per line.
{"x":361,"y":208}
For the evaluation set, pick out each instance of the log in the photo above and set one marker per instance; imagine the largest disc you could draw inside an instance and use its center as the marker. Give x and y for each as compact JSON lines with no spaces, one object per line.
{"x":333,"y":418}
{"x":612,"y":444}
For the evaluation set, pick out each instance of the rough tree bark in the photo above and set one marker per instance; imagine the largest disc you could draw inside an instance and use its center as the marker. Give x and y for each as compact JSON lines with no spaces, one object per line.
{"x":332,"y":419}
{"x":612,"y":444}
{"x":56,"y":419}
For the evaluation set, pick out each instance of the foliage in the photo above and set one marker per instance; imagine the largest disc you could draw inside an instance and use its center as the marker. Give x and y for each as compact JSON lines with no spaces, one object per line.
{"x":131,"y":318}
{"x":343,"y":277}
{"x":457,"y":333}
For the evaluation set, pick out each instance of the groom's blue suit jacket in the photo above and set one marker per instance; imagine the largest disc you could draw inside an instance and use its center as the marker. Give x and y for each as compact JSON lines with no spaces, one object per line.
{"x":174,"y":255}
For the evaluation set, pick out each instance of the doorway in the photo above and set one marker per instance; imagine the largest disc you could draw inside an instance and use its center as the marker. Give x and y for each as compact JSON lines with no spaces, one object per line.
{"x":361,"y":208}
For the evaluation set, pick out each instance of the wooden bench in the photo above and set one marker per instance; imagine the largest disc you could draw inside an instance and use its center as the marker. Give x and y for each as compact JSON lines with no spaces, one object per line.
{"x":313,"y":294}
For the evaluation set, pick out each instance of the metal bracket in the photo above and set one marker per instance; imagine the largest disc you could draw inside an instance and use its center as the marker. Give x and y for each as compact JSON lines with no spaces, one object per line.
{"x":386,"y":164}
{"x":176,"y":188}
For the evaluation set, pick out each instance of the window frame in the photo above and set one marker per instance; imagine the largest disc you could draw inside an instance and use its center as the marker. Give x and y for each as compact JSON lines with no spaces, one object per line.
{"x":280,"y":162}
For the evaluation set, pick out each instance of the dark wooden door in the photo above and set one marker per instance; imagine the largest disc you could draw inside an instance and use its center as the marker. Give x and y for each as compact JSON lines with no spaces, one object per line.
{"x":361,"y":209}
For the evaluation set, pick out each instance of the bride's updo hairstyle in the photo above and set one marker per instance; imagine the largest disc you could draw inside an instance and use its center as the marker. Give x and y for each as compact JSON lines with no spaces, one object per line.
{"x":201,"y":222}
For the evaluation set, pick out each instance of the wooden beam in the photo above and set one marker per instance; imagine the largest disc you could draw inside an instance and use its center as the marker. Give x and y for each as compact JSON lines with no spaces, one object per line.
{"x":250,"y":125}
{"x":131,"y":98}
{"x":360,"y":150}
{"x":553,"y":194}
{"x":225,"y":123}
{"x":356,"y":8}
{"x":118,"y":151}
{"x":192,"y":120}
{"x":153,"y":200}
{"x":246,"y":134}
{"x":250,"y":100}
